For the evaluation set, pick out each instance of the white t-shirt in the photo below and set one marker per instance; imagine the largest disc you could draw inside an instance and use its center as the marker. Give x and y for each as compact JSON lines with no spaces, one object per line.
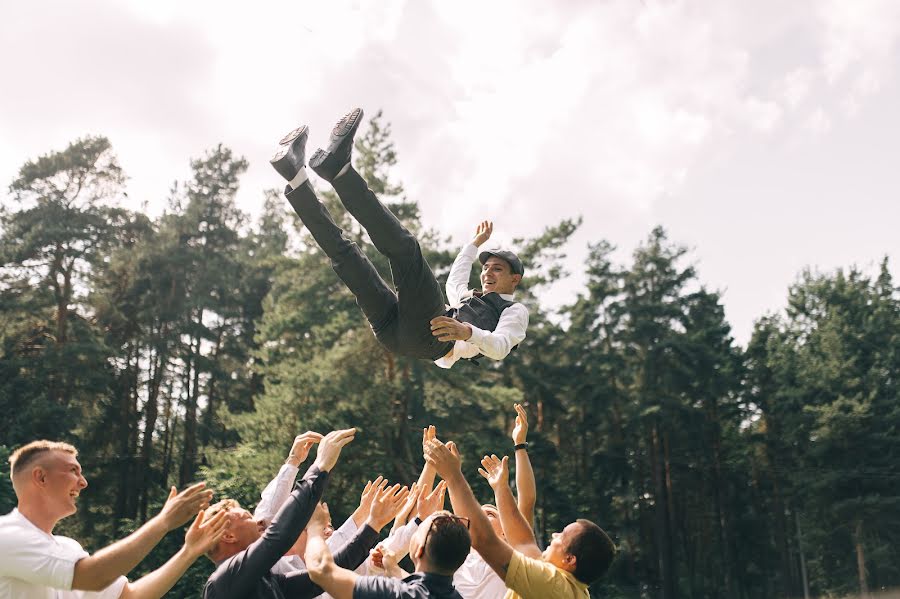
{"x":476,"y":580}
{"x":38,"y":565}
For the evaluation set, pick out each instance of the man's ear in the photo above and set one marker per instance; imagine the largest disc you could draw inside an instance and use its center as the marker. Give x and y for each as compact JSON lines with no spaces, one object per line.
{"x":517,"y":279}
{"x":570,"y":561}
{"x":228,"y":537}
{"x":38,"y":476}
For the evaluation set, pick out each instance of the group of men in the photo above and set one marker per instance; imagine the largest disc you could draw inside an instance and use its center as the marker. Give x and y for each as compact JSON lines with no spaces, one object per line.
{"x":287,"y":548}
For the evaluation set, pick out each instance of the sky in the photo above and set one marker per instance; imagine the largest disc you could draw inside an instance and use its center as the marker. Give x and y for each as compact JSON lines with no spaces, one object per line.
{"x":762,"y":135}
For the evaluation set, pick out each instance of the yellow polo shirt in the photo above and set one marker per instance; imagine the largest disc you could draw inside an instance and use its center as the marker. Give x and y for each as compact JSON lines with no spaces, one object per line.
{"x":529,"y":578}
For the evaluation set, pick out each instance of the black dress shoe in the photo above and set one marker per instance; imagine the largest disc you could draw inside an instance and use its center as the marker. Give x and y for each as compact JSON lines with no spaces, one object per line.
{"x":328,"y":163}
{"x":291,"y":156}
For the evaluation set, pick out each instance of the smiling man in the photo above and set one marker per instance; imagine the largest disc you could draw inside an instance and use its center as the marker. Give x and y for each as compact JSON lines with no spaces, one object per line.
{"x":413,"y":320}
{"x":35,"y":563}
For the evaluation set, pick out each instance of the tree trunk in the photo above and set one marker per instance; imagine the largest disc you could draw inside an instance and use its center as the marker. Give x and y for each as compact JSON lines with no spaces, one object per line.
{"x":861,"y":560}
{"x":661,"y":519}
{"x":151,"y":412}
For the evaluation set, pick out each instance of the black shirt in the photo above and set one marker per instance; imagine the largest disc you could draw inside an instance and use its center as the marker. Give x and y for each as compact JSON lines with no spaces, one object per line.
{"x":417,"y":586}
{"x":248,"y":573}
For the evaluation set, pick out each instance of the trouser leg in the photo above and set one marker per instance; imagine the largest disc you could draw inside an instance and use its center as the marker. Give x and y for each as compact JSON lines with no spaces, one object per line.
{"x":374,"y":297}
{"x":419,"y":294}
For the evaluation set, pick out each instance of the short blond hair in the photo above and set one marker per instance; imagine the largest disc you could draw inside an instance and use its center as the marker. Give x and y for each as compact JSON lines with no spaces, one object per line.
{"x":223,"y":505}
{"x":28,"y":454}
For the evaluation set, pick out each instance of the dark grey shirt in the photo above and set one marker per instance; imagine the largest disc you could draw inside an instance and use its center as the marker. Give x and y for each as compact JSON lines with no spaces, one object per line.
{"x":417,"y":586}
{"x":248,"y":573}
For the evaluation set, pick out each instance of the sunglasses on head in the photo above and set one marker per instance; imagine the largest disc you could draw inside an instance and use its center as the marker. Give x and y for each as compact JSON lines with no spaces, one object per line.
{"x":442,"y":520}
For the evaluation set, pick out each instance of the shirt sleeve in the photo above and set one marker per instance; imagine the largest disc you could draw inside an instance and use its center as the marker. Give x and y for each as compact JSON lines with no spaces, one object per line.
{"x":458,"y":279}
{"x":237,"y":576}
{"x":298,"y":585}
{"x":510,"y":331}
{"x":534,"y":578}
{"x":398,"y":541}
{"x":342,"y":535}
{"x":40,"y":561}
{"x":276,"y":493}
{"x":381,"y":587}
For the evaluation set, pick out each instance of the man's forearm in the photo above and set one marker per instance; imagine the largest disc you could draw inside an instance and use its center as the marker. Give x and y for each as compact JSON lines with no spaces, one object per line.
{"x":157,"y":583}
{"x":98,"y":571}
{"x":485,"y":541}
{"x":526,"y":488}
{"x":516,"y":529}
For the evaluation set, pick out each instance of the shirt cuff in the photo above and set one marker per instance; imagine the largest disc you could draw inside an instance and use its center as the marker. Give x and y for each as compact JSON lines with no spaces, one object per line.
{"x":470,"y":250}
{"x":477,"y":337}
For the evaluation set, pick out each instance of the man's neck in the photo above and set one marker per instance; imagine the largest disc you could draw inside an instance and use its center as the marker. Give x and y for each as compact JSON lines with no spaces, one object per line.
{"x":37,"y":515}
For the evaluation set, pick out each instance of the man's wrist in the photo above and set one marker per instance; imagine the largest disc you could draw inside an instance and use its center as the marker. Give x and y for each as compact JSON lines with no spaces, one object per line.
{"x":374,"y":524}
{"x":293,"y":460}
{"x":523,"y":445}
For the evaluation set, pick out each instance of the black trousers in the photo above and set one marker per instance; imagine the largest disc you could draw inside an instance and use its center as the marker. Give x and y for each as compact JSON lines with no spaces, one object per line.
{"x":401,"y":319}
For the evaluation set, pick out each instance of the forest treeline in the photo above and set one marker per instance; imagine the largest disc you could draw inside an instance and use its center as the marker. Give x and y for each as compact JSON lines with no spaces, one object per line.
{"x":197,"y":344}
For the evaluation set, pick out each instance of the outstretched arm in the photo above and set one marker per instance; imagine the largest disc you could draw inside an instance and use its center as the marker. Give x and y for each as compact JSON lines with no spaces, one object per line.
{"x":323,"y":569}
{"x":200,"y":538}
{"x":98,"y":571}
{"x":279,"y":488}
{"x":518,"y":532}
{"x":492,"y":548}
{"x":526,"y":489}
{"x":458,"y":279}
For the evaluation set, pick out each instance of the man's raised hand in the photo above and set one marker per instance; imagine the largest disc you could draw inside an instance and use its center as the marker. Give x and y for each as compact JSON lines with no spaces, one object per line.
{"x":444,"y":458}
{"x":373,"y":488}
{"x":386,"y":505}
{"x":520,"y":430}
{"x":428,"y":503}
{"x":483,"y":232}
{"x":203,"y":534}
{"x":495,"y":470}
{"x":302,"y":444}
{"x":330,"y":448}
{"x":181,"y":507}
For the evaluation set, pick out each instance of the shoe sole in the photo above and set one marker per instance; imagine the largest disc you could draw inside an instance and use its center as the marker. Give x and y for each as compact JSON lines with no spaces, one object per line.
{"x":344,"y":127}
{"x":287,"y":139}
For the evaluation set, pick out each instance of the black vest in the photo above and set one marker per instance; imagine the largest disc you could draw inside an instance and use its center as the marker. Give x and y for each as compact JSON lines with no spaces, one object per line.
{"x":483,"y":311}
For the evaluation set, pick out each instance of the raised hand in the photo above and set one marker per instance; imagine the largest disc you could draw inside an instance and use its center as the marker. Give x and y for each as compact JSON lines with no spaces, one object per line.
{"x":181,"y":507}
{"x":407,"y":508}
{"x":444,"y":458}
{"x":373,"y":488}
{"x":202,"y":535}
{"x":428,"y":503}
{"x":495,"y":470}
{"x":483,"y":232}
{"x":386,"y":505}
{"x":386,"y":560}
{"x":302,"y":444}
{"x":520,"y":430}
{"x":428,"y":433}
{"x":330,"y":448}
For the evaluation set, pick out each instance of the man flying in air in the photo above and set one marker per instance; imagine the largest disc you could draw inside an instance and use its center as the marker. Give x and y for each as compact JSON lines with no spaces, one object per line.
{"x":413,"y":320}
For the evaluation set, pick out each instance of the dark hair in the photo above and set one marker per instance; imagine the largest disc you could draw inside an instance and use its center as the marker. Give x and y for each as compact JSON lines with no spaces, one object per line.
{"x":593,"y":550}
{"x":448,"y":543}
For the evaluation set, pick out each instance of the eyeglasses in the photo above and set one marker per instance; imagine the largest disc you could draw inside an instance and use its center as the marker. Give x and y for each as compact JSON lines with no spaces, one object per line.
{"x":439,"y":521}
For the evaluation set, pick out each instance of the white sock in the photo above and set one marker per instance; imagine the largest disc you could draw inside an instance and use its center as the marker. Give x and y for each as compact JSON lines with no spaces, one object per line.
{"x":343,"y":170}
{"x":300,"y":179}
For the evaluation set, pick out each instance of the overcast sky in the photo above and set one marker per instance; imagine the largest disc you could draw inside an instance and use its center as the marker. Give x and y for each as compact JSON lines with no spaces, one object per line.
{"x":763,"y":134}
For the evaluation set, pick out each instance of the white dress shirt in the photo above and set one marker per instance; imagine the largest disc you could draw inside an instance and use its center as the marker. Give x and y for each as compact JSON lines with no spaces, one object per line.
{"x":475,"y":579}
{"x":38,"y":565}
{"x":495,"y":344}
